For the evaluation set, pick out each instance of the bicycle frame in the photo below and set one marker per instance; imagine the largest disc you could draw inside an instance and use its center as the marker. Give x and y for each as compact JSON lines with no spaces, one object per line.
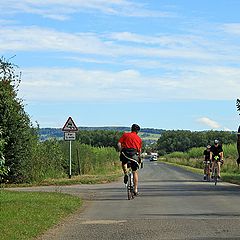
{"x":207,"y":169}
{"x":130,"y":182}
{"x":130,"y":185}
{"x":215,"y":172}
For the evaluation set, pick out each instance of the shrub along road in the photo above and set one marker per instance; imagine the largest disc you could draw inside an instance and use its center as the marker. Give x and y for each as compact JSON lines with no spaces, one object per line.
{"x":173,"y":204}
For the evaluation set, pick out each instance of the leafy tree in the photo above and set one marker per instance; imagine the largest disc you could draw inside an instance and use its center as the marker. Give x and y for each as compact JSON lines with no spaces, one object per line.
{"x":99,"y":138}
{"x":3,"y":169}
{"x":17,"y":132}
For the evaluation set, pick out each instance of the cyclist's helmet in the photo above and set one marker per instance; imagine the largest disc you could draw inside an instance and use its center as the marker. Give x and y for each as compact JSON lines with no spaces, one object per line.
{"x":135,"y":128}
{"x":216,"y":141}
{"x":208,"y":146}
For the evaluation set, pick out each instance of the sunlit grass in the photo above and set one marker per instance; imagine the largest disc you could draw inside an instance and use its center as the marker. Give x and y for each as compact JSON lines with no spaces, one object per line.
{"x":25,"y":215}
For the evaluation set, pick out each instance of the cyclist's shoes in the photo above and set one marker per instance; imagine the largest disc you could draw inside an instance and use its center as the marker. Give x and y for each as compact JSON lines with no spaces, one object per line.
{"x":135,"y":193}
{"x":125,"y":180}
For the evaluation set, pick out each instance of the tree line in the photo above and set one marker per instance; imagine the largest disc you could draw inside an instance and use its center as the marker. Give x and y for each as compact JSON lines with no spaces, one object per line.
{"x":183,"y":140}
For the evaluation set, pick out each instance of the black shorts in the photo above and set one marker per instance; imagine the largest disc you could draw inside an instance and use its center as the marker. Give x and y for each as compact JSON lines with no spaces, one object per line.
{"x":132,"y":154}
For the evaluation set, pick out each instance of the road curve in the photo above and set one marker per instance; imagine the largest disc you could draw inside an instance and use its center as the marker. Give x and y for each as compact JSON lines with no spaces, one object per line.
{"x":173,"y":204}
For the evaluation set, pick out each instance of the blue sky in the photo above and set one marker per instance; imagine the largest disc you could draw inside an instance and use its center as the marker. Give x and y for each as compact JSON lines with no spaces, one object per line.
{"x":170,"y":64}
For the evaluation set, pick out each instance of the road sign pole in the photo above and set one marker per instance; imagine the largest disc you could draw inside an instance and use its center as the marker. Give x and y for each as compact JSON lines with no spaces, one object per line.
{"x":70,"y":130}
{"x":70,"y":159}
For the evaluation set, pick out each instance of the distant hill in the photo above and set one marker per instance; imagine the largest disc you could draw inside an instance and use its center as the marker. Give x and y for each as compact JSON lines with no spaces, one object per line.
{"x":148,"y":134}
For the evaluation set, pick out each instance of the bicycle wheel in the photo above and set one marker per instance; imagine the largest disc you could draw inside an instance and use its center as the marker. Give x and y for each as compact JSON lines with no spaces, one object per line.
{"x":215,"y":176}
{"x":129,"y":187}
{"x":132,"y":186}
{"x":208,"y":174}
{"x":130,"y":193}
{"x":208,"y":177}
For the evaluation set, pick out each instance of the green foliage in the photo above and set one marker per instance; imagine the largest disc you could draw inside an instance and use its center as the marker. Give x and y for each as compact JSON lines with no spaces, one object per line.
{"x":90,"y":160}
{"x":195,"y":152}
{"x":3,"y":169}
{"x":17,"y":132}
{"x":46,"y":161}
{"x":99,"y":138}
{"x":182,"y":140}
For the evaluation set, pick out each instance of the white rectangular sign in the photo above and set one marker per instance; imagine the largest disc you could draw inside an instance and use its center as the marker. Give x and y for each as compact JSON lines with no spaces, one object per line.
{"x":69,"y":136}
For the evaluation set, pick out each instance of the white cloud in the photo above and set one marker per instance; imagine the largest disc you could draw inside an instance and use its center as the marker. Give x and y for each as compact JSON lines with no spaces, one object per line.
{"x":233,"y":28}
{"x":80,"y":84}
{"x":209,"y":122}
{"x":63,"y":9}
{"x":56,"y":84}
{"x":183,"y":69}
{"x":166,"y":40}
{"x":44,"y":39}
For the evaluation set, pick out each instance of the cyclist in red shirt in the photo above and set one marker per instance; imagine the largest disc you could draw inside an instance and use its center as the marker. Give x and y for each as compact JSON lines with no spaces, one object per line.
{"x":130,"y":146}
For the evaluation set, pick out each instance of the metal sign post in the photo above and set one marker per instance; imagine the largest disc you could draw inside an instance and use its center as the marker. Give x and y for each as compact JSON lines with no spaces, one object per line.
{"x":70,"y":130}
{"x":70,"y":159}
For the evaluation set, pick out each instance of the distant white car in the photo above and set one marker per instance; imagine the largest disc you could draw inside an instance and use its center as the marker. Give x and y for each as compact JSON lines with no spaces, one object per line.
{"x":153,"y":158}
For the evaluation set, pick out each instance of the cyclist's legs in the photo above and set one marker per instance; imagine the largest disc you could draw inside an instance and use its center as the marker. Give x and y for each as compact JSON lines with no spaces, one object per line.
{"x":134,"y":167}
{"x":135,"y":180}
{"x":124,"y":167}
{"x":124,"y":163}
{"x":219,"y":168}
{"x":213,"y":164}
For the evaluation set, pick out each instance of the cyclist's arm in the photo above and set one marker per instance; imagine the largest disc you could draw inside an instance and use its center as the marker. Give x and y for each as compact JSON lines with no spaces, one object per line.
{"x":221,"y":155}
{"x":119,"y":146}
{"x":211,"y":155}
{"x":139,"y":155}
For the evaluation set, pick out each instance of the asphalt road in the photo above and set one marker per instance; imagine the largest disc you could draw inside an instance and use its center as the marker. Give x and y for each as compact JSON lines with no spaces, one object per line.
{"x":173,"y":204}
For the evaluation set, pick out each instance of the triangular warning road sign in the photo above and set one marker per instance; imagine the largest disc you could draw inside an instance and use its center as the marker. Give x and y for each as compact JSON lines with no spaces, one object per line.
{"x":70,"y":126}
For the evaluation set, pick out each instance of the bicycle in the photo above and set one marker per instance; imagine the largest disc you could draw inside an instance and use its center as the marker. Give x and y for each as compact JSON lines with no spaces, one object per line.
{"x":215,"y":172}
{"x":207,"y":169}
{"x":130,"y":182}
{"x":215,"y":169}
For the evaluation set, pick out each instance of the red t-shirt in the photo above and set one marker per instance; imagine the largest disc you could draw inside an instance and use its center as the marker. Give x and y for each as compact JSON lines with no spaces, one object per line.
{"x":131,"y":140}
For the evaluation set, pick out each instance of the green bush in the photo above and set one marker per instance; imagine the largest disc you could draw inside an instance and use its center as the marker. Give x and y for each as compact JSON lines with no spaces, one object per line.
{"x":46,"y":161}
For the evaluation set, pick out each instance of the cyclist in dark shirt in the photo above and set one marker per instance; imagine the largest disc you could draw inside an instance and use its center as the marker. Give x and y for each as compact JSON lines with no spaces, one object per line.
{"x":207,"y":160}
{"x":216,"y":155}
{"x":206,"y":153}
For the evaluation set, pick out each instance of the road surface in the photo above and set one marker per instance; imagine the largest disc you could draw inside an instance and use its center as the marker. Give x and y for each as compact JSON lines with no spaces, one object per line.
{"x":173,"y":204}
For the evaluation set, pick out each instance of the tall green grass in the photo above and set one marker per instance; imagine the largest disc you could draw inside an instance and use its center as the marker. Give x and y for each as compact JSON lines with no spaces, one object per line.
{"x":50,"y":160}
{"x":91,"y":160}
{"x":46,"y":161}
